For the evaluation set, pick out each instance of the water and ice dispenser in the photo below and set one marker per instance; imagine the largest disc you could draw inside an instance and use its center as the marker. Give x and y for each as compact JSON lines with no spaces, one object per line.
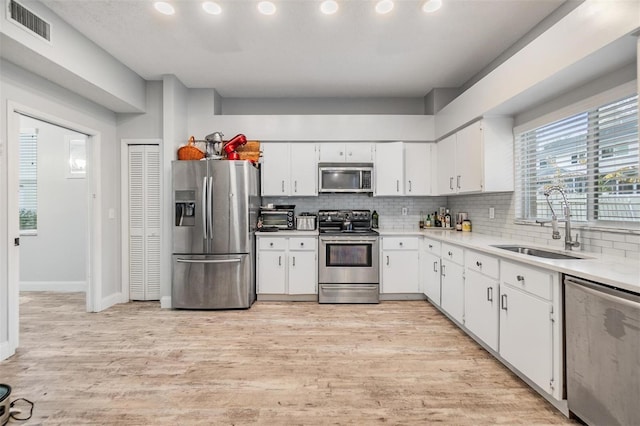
{"x":185,"y":203}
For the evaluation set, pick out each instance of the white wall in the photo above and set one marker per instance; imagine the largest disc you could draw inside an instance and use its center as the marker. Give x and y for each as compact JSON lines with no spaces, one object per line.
{"x":586,"y":32}
{"x":72,"y":61}
{"x":19,"y":86}
{"x":175,"y":130}
{"x":55,"y":258}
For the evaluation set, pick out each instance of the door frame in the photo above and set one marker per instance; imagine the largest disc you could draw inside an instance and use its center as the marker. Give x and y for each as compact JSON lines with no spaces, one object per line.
{"x":93,"y":242}
{"x":124,"y":206}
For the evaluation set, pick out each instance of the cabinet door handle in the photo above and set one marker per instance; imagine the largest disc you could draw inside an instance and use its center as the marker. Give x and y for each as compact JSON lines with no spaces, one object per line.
{"x":387,"y":260}
{"x":295,"y":186}
{"x":451,"y":183}
{"x":479,"y":264}
{"x":442,"y":271}
{"x":490,"y":294}
{"x":450,"y":254}
{"x":270,"y":244}
{"x":409,"y":186}
{"x":301,"y":244}
{"x":279,"y":260}
{"x":294,"y":261}
{"x":458,"y":182}
{"x":400,"y":243}
{"x":435,"y":266}
{"x":283,"y":186}
{"x":341,"y":153}
{"x":520,"y":278}
{"x":430,"y":245}
{"x":397,"y":185}
{"x":503,"y":302}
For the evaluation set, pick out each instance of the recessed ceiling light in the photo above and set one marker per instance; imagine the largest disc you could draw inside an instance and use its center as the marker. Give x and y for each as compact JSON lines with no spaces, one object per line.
{"x":211,"y":8}
{"x":266,"y":8}
{"x":384,"y":6}
{"x":329,"y":7}
{"x":432,"y":5}
{"x":164,"y":7}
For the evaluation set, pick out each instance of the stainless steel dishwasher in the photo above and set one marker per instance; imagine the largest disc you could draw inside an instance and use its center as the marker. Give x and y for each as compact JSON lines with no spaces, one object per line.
{"x":603,"y":353}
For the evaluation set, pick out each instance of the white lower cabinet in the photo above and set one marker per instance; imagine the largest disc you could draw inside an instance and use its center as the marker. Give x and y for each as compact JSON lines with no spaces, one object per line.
{"x":400,"y":265}
{"x":452,"y":281}
{"x":430,"y":269}
{"x":481,"y":296}
{"x":303,"y":266}
{"x":287,"y":265}
{"x":530,"y":324}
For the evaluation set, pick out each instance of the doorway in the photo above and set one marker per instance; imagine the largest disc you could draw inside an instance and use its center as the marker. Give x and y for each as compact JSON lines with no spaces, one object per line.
{"x":53,"y":210}
{"x":92,"y":245}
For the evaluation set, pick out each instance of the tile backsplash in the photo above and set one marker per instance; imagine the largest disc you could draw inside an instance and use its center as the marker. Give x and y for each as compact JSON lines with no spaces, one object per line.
{"x":617,"y":243}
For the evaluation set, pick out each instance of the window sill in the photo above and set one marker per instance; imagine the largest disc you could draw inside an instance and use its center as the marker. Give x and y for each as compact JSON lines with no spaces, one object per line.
{"x":29,"y":233}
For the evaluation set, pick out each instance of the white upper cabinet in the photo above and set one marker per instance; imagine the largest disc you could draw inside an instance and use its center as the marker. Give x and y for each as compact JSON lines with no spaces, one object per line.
{"x":477,"y":158}
{"x":403,"y":168}
{"x":289,"y":169}
{"x":417,"y":168}
{"x":304,"y":169}
{"x":275,"y":169}
{"x":389,"y":169}
{"x":338,"y":152}
{"x":446,"y":165}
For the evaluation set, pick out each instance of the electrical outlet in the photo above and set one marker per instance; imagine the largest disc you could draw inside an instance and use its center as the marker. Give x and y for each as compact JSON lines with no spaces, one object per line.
{"x":492,"y":213}
{"x":404,"y":211}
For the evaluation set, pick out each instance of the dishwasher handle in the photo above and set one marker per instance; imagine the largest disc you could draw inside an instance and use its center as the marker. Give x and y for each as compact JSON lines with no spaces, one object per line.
{"x":605,"y":292}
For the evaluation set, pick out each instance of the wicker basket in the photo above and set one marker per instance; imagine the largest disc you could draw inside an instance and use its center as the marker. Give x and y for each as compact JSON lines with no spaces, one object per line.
{"x":190,"y":151}
{"x":249,"y":151}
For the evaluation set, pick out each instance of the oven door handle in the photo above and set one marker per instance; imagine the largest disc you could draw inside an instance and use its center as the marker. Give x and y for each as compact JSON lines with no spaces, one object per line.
{"x":373,"y":240}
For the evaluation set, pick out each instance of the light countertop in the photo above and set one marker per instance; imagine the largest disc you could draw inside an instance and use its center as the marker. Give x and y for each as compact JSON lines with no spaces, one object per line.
{"x":288,"y":233}
{"x":619,"y":272}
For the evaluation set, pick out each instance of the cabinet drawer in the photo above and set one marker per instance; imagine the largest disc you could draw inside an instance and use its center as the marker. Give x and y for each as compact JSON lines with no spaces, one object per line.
{"x":431,"y":246}
{"x":453,"y":253}
{"x":305,"y":243}
{"x":484,"y":264}
{"x":399,"y":243}
{"x":271,"y":243}
{"x":531,"y":280}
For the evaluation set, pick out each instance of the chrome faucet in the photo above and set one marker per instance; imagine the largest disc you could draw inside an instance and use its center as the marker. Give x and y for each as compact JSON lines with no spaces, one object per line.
{"x":555,"y":234}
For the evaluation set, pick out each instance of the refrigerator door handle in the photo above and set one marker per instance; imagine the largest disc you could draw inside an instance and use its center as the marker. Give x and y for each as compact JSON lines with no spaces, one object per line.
{"x":204,"y":207}
{"x":210,"y":207}
{"x":179,"y":260}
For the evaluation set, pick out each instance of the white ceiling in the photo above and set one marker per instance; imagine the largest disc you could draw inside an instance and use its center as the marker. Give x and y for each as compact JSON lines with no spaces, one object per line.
{"x":298,"y":52}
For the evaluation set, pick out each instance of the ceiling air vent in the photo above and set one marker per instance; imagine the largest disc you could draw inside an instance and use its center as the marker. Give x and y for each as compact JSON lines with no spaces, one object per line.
{"x":29,"y":20}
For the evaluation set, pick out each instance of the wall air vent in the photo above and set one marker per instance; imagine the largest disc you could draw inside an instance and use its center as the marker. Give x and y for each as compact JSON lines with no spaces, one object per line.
{"x":29,"y":20}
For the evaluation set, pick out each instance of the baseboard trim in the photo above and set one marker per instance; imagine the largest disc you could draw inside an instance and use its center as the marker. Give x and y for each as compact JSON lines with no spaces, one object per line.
{"x":109,"y":301}
{"x":165,"y":302}
{"x":5,"y":351}
{"x":59,"y":286}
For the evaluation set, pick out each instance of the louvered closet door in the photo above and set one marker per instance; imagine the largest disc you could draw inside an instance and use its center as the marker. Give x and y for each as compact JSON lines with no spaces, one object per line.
{"x":144,"y":222}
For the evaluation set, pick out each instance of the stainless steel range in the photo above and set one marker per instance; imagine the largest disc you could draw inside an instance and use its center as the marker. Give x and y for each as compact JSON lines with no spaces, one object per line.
{"x":348,"y":266}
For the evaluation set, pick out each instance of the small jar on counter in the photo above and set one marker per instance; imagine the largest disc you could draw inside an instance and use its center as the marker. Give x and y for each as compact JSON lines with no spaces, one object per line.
{"x":466,"y":225}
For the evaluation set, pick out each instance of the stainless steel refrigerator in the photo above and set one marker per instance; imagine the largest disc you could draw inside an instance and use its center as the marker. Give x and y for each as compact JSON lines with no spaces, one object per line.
{"x":216,"y":206}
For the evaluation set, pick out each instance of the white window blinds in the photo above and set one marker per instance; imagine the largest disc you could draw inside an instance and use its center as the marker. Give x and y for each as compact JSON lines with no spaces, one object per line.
{"x":592,"y":155}
{"x":28,"y":180}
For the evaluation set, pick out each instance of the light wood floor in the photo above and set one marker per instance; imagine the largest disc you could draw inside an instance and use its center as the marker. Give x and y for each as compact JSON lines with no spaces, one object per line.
{"x":276,"y":363}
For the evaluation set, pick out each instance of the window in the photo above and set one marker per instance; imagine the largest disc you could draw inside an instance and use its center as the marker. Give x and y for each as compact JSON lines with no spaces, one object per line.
{"x":592,"y":155}
{"x":28,"y":181}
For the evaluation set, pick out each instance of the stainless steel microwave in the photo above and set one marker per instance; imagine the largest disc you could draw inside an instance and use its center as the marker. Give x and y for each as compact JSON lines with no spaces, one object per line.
{"x":345,"y":177}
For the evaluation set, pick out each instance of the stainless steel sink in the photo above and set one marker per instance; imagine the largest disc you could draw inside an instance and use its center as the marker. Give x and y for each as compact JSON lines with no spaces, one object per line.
{"x":547,"y":254}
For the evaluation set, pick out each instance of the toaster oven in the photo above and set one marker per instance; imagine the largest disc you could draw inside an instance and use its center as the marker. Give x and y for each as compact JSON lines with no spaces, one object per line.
{"x":277,"y":218}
